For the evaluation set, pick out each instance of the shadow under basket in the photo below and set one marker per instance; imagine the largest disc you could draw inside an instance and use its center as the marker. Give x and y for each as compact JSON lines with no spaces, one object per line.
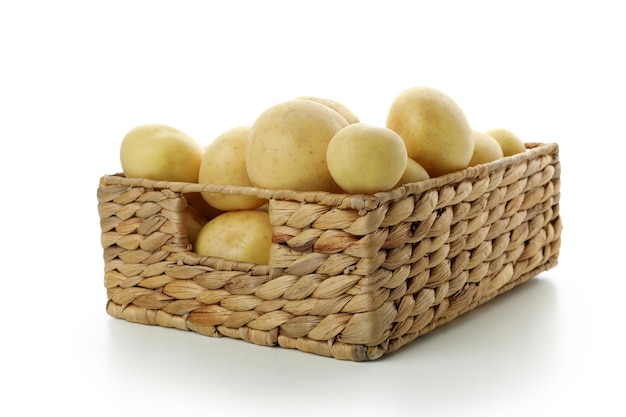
{"x":353,"y":277}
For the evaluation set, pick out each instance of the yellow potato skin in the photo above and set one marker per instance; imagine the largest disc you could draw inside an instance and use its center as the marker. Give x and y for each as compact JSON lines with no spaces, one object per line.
{"x":340,"y":108}
{"x":434,"y":128}
{"x":414,"y":172}
{"x":364,"y":159}
{"x":486,"y":149}
{"x":509,"y":142}
{"x":224,"y":163}
{"x":160,"y":152}
{"x":287,"y":146}
{"x":240,"y":235}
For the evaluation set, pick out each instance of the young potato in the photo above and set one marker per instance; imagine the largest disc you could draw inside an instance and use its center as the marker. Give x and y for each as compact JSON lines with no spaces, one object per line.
{"x":224,"y":163}
{"x":414,"y":172}
{"x":486,"y":149}
{"x":509,"y":142}
{"x":435,"y":130}
{"x":287,"y":146}
{"x":364,"y":159}
{"x":160,"y":152}
{"x":241,"y":235}
{"x":335,"y":105}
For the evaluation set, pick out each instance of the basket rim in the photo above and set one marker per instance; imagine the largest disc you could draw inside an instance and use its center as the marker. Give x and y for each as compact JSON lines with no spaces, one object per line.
{"x":361,"y":202}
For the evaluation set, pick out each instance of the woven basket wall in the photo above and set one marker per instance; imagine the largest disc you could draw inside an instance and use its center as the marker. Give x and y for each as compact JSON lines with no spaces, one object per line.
{"x":351,"y":277}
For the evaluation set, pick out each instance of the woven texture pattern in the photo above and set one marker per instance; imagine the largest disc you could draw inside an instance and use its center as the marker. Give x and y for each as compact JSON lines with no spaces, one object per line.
{"x":350,"y":277}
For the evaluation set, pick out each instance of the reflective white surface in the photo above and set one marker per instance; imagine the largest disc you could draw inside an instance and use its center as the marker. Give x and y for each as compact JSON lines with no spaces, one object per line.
{"x":76,"y":76}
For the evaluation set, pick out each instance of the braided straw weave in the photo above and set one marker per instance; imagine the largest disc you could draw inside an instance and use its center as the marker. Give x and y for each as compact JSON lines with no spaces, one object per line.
{"x":351,"y":277}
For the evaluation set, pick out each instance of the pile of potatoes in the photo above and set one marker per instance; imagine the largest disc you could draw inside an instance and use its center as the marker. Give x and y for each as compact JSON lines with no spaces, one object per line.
{"x":307,"y":144}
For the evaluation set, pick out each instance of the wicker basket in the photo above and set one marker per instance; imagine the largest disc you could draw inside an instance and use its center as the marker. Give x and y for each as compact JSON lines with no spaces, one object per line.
{"x":351,"y":277}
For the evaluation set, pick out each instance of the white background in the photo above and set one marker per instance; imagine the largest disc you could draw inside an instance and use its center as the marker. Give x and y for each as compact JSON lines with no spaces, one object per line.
{"x":76,"y":76}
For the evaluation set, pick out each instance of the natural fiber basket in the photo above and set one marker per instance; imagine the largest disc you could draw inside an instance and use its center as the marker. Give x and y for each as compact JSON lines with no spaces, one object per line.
{"x":352,"y":277}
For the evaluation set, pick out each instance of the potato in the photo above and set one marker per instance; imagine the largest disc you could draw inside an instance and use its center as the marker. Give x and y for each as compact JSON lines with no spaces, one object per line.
{"x":335,"y":105}
{"x":434,"y":128}
{"x":364,"y":159}
{"x":224,"y":163}
{"x":241,"y":235}
{"x":509,"y":142}
{"x":414,"y":172}
{"x":486,"y":149}
{"x":160,"y":152}
{"x":287,"y":146}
